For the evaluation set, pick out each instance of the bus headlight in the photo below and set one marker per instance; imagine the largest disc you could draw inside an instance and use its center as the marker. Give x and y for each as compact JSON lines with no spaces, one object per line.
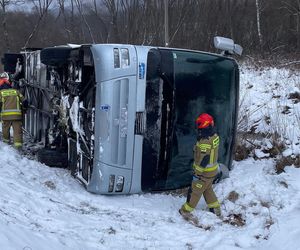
{"x":119,"y":183}
{"x":124,"y":58}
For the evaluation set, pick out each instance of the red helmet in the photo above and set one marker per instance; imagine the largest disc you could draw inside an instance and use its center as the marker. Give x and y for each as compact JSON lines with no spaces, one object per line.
{"x":4,"y":81}
{"x":204,"y":120}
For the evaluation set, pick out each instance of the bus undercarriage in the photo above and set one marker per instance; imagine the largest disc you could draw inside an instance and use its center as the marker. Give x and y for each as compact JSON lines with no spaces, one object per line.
{"x":59,"y":84}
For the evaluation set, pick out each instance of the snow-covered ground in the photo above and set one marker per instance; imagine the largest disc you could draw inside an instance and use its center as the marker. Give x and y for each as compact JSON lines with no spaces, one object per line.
{"x":45,"y":208}
{"x":270,"y":104}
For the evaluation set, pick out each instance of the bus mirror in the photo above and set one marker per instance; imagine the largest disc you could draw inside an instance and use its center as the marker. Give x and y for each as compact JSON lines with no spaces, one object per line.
{"x":227,"y":45}
{"x":238,"y":49}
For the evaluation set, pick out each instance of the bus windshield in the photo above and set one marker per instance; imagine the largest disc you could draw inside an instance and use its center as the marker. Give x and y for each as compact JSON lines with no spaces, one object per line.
{"x":187,"y":84}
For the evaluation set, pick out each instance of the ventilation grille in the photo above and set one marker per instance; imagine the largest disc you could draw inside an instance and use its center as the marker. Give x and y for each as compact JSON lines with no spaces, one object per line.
{"x":140,"y":123}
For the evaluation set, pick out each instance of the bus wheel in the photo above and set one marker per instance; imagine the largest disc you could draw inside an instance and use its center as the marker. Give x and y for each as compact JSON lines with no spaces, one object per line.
{"x":53,"y":158}
{"x":55,"y":56}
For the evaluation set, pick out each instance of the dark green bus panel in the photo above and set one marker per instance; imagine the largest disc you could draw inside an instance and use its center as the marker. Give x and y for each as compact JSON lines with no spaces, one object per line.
{"x":181,"y":85}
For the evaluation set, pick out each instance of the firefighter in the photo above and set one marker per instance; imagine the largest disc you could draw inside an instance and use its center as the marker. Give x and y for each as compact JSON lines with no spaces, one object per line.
{"x":11,"y":104}
{"x":205,"y":168}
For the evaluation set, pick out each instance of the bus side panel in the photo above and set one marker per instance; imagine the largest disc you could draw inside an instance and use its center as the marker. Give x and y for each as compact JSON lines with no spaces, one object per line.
{"x":142,"y":54}
{"x":38,"y":93}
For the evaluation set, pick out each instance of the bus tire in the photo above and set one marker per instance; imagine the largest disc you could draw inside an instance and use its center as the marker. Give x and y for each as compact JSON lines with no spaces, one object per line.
{"x":55,"y":56}
{"x":53,"y":158}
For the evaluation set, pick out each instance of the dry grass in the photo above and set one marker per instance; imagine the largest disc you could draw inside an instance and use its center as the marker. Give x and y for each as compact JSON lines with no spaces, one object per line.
{"x":235,"y":220}
{"x":282,"y":162}
{"x":233,"y":196}
{"x":283,"y":183}
{"x":182,"y":192}
{"x":50,"y":184}
{"x":295,"y":97}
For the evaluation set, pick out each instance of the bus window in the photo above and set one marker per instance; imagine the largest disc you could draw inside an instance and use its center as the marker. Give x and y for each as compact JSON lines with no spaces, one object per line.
{"x":201,"y":83}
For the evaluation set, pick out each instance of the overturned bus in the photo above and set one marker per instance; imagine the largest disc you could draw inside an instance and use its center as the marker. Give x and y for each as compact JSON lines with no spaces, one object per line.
{"x":122,"y":117}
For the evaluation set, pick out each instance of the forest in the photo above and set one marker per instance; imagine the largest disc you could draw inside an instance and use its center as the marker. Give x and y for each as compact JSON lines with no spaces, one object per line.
{"x":264,"y":28}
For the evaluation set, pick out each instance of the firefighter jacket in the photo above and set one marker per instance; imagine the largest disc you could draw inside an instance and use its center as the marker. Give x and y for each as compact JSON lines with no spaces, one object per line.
{"x":206,"y":157}
{"x":11,"y":104}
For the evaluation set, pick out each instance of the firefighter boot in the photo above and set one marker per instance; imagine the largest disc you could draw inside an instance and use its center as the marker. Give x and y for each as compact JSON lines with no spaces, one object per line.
{"x":216,"y":211}
{"x":183,"y":212}
{"x":188,"y":216}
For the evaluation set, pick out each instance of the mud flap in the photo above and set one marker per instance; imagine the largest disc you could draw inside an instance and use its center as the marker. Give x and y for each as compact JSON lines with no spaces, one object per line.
{"x":53,"y":158}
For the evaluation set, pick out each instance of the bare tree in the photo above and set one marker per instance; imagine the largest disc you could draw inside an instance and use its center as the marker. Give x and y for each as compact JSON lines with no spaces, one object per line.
{"x":94,"y":8}
{"x":113,"y":9}
{"x":183,"y":8}
{"x":258,"y":21}
{"x":41,"y":7}
{"x":4,"y":4}
{"x":62,"y":8}
{"x":80,"y":10}
{"x":293,"y":8}
{"x":153,"y":26}
{"x":270,"y":25}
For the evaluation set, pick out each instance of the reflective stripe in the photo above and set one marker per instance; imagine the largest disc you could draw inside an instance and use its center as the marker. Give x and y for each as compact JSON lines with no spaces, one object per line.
{"x":5,"y":140}
{"x":18,"y":103}
{"x":216,"y":142}
{"x":18,"y":144}
{"x":198,"y":185}
{"x":207,"y":169}
{"x":203,"y":146}
{"x":9,"y":92}
{"x":187,"y":207}
{"x":212,"y":156}
{"x":11,"y":110}
{"x":215,"y":204}
{"x":4,"y":113}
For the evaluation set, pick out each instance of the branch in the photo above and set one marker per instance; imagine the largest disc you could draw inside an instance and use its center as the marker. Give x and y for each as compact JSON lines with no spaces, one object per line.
{"x":289,"y":63}
{"x":43,"y":11}
{"x":180,"y":22}
{"x":79,"y":6}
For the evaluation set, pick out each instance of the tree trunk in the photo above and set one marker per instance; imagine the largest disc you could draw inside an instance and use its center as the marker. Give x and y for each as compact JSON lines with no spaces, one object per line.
{"x":42,"y":8}
{"x":80,"y":10}
{"x":61,"y":4}
{"x":112,"y":6}
{"x":4,"y":3}
{"x":104,"y":38}
{"x":260,"y":38}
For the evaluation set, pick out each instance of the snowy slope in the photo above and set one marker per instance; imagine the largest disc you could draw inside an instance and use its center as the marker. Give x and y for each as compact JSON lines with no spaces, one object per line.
{"x":45,"y":208}
{"x":270,"y":102}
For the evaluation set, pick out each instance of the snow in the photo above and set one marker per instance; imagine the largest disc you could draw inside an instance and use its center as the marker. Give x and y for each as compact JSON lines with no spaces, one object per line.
{"x":74,"y":115}
{"x":75,"y":119}
{"x":261,"y":154}
{"x":45,"y":208}
{"x":265,"y":101}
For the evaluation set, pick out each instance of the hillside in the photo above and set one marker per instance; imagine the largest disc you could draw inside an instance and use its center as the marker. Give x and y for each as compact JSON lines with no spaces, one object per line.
{"x":45,"y":208}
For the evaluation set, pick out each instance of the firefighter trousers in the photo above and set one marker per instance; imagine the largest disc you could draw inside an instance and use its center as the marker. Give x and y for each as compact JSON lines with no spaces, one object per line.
{"x":199,"y":187}
{"x":17,"y":131}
